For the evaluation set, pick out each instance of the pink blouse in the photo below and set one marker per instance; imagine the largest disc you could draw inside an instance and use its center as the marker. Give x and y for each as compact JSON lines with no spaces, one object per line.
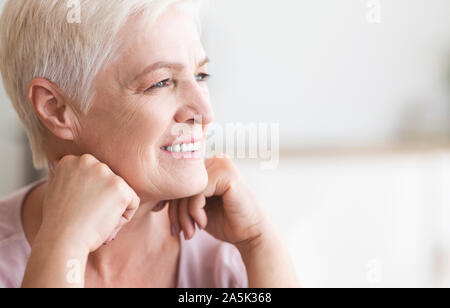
{"x":205,"y":262}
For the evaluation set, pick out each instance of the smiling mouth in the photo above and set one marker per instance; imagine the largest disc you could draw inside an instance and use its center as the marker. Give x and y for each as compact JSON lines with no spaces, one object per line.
{"x":183,"y":147}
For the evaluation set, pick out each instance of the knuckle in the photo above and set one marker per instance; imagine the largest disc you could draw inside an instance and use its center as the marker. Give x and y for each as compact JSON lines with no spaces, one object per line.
{"x":67,"y":159}
{"x":132,"y":196}
{"x":117,"y":183}
{"x":226,"y":162}
{"x":121,"y":188}
{"x":138,"y":200}
{"x":87,"y":158}
{"x":118,"y":187}
{"x":102,"y":169}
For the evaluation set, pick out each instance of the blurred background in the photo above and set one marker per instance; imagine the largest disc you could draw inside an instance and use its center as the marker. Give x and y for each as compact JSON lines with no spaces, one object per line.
{"x":360,"y":90}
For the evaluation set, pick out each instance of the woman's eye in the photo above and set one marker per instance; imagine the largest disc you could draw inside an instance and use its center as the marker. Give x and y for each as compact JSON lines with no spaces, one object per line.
{"x":202,"y":77}
{"x":167,"y":82}
{"x":161,"y":84}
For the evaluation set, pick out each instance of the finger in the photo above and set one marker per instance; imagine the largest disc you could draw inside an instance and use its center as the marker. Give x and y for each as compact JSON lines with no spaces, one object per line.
{"x":215,"y":213}
{"x":132,"y":207}
{"x":177,"y":220}
{"x":218,"y":184}
{"x":122,"y":222}
{"x":187,"y":223}
{"x":173,"y":216}
{"x":53,"y":164}
{"x":209,"y":162}
{"x":197,"y":211}
{"x":216,"y":160}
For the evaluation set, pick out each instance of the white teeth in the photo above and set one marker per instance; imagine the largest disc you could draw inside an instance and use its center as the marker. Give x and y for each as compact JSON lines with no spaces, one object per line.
{"x":176,"y":148}
{"x":183,"y":148}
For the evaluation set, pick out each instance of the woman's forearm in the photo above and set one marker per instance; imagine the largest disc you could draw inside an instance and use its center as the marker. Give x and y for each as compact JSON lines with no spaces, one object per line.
{"x":268,"y":262}
{"x":53,"y":265}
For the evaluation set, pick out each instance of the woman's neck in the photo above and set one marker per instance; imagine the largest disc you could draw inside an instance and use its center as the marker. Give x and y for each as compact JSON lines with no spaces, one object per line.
{"x":143,"y":238}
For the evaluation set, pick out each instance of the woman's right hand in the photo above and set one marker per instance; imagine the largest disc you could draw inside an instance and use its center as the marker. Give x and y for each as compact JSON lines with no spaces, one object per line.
{"x":85,"y":203}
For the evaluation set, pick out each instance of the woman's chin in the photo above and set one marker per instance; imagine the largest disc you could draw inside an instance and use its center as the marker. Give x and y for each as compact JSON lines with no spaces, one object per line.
{"x":188,"y":186}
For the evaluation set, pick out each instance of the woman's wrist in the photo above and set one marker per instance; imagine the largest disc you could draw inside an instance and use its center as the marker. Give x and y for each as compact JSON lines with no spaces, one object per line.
{"x":264,"y":237}
{"x":61,"y":247}
{"x":262,"y":234}
{"x":267,"y":260}
{"x":59,"y":242}
{"x":55,"y":263}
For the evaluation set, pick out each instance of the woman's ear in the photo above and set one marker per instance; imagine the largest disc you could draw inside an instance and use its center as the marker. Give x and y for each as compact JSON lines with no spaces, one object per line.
{"x":52,"y":108}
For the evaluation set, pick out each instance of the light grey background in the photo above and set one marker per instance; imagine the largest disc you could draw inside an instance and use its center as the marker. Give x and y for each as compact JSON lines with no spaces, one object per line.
{"x":325,"y":73}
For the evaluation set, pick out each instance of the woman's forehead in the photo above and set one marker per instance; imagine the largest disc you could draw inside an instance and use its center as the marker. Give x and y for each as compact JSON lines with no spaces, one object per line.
{"x":174,"y":28}
{"x":172,"y":38}
{"x":146,"y":44}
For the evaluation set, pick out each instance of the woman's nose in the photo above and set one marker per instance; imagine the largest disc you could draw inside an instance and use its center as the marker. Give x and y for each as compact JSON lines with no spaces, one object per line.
{"x":196,"y":109}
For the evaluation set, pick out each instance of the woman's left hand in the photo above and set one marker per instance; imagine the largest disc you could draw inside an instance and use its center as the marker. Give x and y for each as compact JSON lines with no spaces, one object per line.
{"x":227,"y":209}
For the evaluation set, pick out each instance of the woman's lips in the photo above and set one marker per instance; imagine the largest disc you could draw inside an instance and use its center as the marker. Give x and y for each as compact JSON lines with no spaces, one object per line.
{"x":183,"y":141}
{"x":188,"y":155}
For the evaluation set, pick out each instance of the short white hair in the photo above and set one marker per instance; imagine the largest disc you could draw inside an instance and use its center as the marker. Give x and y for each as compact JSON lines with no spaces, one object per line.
{"x":44,"y":39}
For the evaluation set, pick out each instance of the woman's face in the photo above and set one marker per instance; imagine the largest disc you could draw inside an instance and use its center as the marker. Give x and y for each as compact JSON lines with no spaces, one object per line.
{"x":153,"y":96}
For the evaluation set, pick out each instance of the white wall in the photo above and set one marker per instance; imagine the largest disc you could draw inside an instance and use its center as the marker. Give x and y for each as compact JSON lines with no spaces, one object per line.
{"x":362,"y":221}
{"x":327,"y":75}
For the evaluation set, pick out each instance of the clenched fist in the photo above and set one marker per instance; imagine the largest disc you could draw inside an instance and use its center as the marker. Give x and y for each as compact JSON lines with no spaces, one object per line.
{"x":227,"y":209}
{"x":85,"y":203}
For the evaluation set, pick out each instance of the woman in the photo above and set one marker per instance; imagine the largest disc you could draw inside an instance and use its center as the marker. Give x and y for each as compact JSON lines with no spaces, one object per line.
{"x":117,"y":107}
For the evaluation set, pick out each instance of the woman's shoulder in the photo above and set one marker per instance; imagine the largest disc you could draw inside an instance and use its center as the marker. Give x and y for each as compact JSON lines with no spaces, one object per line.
{"x":10,"y":211}
{"x":9,"y":214}
{"x":14,"y":250}
{"x":207,"y":262}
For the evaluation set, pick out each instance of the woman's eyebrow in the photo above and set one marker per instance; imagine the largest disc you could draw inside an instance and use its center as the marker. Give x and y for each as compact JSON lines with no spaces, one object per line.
{"x":172,"y":65}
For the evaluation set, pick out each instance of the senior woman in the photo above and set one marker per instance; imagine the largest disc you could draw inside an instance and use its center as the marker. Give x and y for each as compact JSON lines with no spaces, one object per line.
{"x":116,"y":105}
